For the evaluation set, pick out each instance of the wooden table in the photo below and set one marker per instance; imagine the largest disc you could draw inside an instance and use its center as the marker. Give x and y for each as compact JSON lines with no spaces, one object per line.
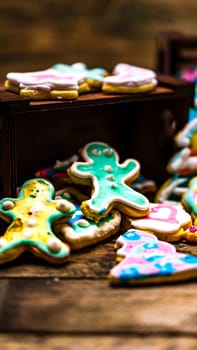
{"x":73,"y":306}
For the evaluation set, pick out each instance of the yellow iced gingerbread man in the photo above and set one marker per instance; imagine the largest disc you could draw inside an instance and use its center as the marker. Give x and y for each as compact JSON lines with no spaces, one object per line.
{"x":32,"y":214}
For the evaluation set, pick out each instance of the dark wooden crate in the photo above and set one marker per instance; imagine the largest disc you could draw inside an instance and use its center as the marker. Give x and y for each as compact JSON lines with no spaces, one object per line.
{"x":175,"y":50}
{"x":35,"y":134}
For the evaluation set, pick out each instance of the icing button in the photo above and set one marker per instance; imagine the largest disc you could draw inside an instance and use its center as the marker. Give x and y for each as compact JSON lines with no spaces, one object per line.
{"x":8,"y":205}
{"x":58,"y":197}
{"x":54,"y":245}
{"x":110,"y":177}
{"x":108,"y":168}
{"x":83,"y":223}
{"x":3,"y":242}
{"x":31,"y":222}
{"x":63,"y":205}
{"x":67,"y":195}
{"x":27,"y":234}
{"x":113,"y":185}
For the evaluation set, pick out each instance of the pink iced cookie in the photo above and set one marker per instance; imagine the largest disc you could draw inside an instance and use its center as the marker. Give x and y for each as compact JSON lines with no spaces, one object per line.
{"x":146,"y":260}
{"x":166,"y":221}
{"x":126,"y":78}
{"x":46,"y":84}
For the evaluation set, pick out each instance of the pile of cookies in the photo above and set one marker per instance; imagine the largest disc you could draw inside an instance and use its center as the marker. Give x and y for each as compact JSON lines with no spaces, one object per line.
{"x":97,"y":201}
{"x":67,"y":82}
{"x":84,"y":212}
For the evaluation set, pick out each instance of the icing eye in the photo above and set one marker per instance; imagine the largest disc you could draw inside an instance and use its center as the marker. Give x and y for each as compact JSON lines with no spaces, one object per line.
{"x":108,"y":168}
{"x":96,"y":152}
{"x":108,"y":151}
{"x":8,"y":205}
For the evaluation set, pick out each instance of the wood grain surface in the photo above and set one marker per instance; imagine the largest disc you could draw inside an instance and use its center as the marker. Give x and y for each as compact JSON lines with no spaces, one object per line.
{"x":78,"y":299}
{"x":100,"y":342}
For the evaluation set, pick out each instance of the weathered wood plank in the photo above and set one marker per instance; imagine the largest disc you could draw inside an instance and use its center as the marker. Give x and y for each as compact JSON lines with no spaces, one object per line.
{"x":99,"y":342}
{"x":91,"y":262}
{"x":93,"y":307}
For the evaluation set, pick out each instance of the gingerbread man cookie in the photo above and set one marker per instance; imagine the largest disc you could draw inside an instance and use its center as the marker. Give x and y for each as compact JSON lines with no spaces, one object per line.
{"x":32,"y":214}
{"x":166,"y":221}
{"x":109,"y":180}
{"x":143,"y":259}
{"x":80,"y":231}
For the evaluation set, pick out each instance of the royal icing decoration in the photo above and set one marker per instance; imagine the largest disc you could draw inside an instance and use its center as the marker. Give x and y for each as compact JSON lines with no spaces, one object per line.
{"x":95,"y":74}
{"x":130,"y":76}
{"x":189,"y":199}
{"x":145,"y":259}
{"x":167,"y":221}
{"x":80,"y":231}
{"x":32,"y":214}
{"x":48,"y":79}
{"x":108,"y":192}
{"x":183,"y":165}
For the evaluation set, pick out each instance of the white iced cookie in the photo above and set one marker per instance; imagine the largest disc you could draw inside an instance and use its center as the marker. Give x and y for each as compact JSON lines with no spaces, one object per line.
{"x":47,"y":84}
{"x":126,"y":78}
{"x":166,"y":221}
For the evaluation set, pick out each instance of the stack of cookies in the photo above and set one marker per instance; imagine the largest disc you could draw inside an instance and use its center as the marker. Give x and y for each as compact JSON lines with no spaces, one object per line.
{"x":67,"y":82}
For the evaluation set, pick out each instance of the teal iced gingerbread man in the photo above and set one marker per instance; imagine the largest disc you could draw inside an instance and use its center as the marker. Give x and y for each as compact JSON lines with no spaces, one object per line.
{"x":32,"y":214}
{"x":109,"y":180}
